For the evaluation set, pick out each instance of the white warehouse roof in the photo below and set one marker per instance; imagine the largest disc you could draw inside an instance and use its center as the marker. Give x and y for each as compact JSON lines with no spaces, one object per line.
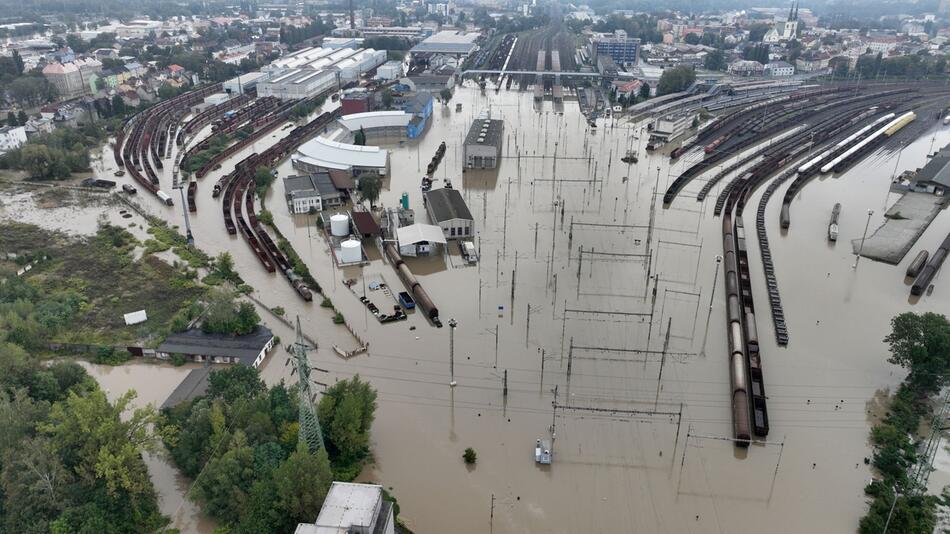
{"x":323,"y":152}
{"x":416,"y":233}
{"x":375,"y":119}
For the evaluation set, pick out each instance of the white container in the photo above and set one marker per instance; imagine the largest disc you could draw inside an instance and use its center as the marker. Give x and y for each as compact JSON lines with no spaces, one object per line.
{"x":339,"y":225}
{"x":350,"y":251}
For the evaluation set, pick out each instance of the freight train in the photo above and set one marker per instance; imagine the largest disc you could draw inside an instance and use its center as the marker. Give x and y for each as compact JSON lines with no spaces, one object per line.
{"x":415,"y":288}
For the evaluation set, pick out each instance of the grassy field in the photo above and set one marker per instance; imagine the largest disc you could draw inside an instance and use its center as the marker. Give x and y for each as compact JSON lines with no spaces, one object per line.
{"x":110,"y":282}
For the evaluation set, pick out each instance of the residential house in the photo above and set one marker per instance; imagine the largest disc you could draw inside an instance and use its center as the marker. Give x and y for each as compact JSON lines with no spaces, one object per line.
{"x":11,"y":138}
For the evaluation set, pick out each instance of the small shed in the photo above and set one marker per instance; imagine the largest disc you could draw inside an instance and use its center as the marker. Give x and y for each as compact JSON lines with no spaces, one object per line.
{"x":366,"y":225}
{"x":418,"y":239}
{"x":135,"y":317}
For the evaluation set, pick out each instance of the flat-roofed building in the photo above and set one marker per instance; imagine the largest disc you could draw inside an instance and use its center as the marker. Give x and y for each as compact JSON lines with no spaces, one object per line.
{"x":351,"y":508}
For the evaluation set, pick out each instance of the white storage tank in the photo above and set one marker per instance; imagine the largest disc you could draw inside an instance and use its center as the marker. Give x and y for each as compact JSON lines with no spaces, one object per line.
{"x":339,"y":225}
{"x":350,"y":251}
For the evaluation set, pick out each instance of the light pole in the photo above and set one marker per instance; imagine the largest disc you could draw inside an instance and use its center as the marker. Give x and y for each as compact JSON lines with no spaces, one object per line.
{"x":887,"y":523}
{"x":863,"y":237}
{"x":452,"y":325}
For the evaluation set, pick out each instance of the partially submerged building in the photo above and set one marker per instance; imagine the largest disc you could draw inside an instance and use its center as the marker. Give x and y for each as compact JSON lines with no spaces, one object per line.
{"x":250,"y":349}
{"x":311,"y":191}
{"x":419,"y":239}
{"x":447,"y":209}
{"x":482,"y":148}
{"x":321,"y":153}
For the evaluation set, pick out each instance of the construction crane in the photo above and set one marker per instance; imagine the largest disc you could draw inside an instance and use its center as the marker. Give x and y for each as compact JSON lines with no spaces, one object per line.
{"x":309,"y":432}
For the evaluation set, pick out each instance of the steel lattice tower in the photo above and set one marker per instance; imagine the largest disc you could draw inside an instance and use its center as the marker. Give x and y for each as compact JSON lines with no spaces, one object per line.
{"x":309,"y":432}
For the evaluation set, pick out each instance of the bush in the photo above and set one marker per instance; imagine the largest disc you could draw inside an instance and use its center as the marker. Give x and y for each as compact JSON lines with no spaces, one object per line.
{"x":327,"y":303}
{"x":338,"y":318}
{"x":470,"y":456}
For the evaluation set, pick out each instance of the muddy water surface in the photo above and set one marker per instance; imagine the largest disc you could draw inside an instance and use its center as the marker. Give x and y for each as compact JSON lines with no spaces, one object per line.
{"x":617,"y":468}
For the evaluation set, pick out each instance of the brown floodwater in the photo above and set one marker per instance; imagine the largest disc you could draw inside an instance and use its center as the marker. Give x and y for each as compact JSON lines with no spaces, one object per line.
{"x":634,"y":469}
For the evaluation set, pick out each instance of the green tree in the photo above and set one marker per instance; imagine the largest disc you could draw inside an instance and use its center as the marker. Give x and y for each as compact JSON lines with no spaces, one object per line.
{"x":22,"y":117}
{"x":715,"y":60}
{"x":11,"y":119}
{"x":692,"y":39}
{"x":387,"y":98}
{"x":470,"y":456}
{"x":302,"y":483}
{"x":118,"y":106}
{"x":346,"y":412}
{"x":235,"y":383}
{"x":921,"y":344}
{"x":360,"y":137}
{"x":644,"y":91}
{"x":445,"y":95}
{"x":224,"y":486}
{"x":263,"y":177}
{"x":369,"y":186}
{"x":224,"y":316}
{"x":99,"y":440}
{"x":675,"y":79}
{"x":37,"y":161}
{"x":224,"y":265}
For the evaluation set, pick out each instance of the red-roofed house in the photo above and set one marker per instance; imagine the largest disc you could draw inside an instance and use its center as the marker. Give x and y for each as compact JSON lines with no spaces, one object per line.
{"x":176,"y":70}
{"x":626,"y":88}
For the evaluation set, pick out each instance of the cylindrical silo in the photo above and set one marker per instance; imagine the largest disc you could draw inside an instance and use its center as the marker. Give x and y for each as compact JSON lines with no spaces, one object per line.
{"x":350,"y":251}
{"x":339,"y":225}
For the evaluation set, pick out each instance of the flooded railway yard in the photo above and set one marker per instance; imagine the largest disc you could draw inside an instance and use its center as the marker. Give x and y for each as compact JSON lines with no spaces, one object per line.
{"x":590,"y":287}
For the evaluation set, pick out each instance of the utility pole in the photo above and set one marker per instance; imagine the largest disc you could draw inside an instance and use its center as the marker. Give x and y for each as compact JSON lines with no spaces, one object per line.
{"x":863,"y":237}
{"x":659,"y":377}
{"x":491,"y":522}
{"x":452,"y":325}
{"x":712,"y":296}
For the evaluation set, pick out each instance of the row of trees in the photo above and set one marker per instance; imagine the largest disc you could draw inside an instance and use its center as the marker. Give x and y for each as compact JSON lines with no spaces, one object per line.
{"x":223,"y":315}
{"x":242,"y":439}
{"x":920,"y":344}
{"x":909,"y":66}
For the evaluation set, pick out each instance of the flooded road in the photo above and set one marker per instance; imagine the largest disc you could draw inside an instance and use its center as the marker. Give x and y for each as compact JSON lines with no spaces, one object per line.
{"x":153,"y":384}
{"x":632,"y":453}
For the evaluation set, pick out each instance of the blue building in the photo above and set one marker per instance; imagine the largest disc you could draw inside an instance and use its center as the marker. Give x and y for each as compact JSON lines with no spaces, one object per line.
{"x":622,"y":49}
{"x":420,"y":107}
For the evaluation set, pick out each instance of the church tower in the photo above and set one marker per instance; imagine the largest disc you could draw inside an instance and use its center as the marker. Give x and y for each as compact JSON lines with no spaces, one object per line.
{"x":791,"y":24}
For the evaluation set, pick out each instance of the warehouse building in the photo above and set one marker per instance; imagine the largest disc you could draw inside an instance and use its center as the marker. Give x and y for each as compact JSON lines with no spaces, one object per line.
{"x":243,"y":83}
{"x":482,"y":148}
{"x":321,"y":153}
{"x":448,"y":210}
{"x":311,"y":71}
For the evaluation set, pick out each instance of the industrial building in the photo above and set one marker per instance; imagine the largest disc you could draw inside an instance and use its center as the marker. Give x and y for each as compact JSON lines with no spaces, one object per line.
{"x":321,"y":153}
{"x":351,"y":508}
{"x":447,"y":209}
{"x":311,"y":191}
{"x":391,"y":70}
{"x":311,"y":71}
{"x":670,"y":127}
{"x":622,"y":49}
{"x":356,"y":100}
{"x":934,"y":177}
{"x":483,"y":143}
{"x":446,"y":48}
{"x":243,"y":83}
